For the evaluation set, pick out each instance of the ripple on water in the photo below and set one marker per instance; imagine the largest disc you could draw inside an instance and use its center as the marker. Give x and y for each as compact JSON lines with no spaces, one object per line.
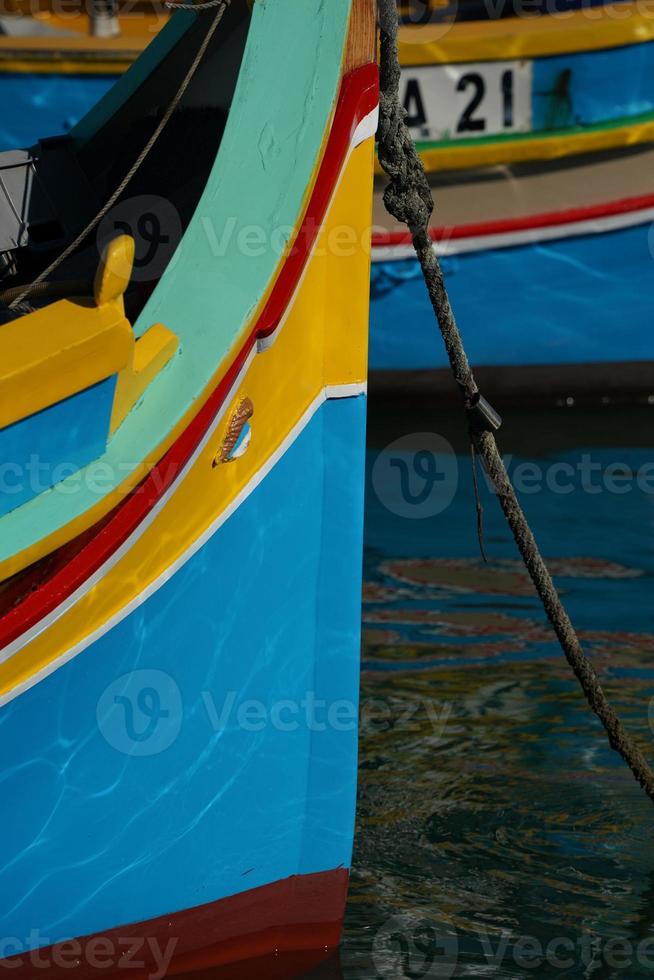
{"x":497,"y":833}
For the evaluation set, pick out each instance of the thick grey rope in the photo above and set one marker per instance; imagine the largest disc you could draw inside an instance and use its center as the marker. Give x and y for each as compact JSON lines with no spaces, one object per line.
{"x":408,"y":198}
{"x":165,"y":119}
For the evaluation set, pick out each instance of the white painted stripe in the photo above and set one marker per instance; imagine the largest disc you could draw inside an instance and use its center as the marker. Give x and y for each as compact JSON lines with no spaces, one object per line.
{"x":362,"y":132}
{"x":529,"y":236}
{"x":331,"y":392}
{"x":366,"y":128}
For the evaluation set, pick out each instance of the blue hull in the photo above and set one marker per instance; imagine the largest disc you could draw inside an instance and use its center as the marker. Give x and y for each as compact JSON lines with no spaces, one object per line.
{"x":584,"y":300}
{"x":591,"y":88}
{"x":219,"y":719}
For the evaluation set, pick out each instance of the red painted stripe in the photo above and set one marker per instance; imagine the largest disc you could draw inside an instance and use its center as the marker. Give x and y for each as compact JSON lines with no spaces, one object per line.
{"x":508,"y":226}
{"x":358,"y":97}
{"x":302,"y":915}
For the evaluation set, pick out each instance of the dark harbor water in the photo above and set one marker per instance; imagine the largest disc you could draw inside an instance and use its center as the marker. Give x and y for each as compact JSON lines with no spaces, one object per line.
{"x":498,"y":836}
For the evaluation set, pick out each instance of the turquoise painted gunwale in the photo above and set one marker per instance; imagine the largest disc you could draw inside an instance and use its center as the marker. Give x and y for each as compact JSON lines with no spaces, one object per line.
{"x":268,"y":155}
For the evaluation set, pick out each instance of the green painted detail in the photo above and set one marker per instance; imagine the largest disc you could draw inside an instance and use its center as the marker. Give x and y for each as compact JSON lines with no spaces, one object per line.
{"x":282,"y":107}
{"x":128,"y":83}
{"x":505,"y":138}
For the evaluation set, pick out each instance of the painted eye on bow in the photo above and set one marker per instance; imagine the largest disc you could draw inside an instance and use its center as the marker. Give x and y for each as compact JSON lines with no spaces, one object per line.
{"x":239,"y":434}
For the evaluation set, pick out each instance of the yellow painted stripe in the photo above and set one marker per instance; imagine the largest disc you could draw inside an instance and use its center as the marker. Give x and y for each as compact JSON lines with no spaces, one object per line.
{"x":590,"y":29}
{"x":546,"y":147}
{"x":322,"y":343}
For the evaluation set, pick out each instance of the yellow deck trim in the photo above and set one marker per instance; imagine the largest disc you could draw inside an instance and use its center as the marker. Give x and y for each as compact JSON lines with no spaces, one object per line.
{"x":591,"y":29}
{"x":322,"y":343}
{"x":56,"y":352}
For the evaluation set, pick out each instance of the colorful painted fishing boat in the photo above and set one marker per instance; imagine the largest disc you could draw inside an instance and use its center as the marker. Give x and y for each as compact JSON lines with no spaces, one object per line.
{"x":520,"y":88}
{"x":549,"y":271}
{"x":182,"y":446}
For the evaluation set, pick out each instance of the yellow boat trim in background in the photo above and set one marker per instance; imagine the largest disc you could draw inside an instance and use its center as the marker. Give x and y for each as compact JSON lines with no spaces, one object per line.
{"x":323,"y":344}
{"x":137,"y":25}
{"x":453,"y":156}
{"x":591,"y":29}
{"x":72,"y":56}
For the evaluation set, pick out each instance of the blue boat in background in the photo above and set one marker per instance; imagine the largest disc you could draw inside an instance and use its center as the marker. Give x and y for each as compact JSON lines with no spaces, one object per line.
{"x":550,"y":273}
{"x":34,"y":104}
{"x":520,"y":88}
{"x":56,"y":63}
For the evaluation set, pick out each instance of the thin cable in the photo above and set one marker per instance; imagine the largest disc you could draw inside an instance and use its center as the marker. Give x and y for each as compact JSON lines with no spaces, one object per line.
{"x":137,"y":164}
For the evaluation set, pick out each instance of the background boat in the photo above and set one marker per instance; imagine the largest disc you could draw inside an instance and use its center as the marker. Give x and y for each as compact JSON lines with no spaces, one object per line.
{"x":447,"y":11}
{"x":520,"y":88}
{"x":549,"y":270}
{"x":198,"y":570}
{"x":55,"y":64}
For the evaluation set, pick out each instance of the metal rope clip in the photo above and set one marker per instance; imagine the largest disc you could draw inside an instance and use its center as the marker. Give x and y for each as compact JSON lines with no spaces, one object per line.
{"x":481,"y":414}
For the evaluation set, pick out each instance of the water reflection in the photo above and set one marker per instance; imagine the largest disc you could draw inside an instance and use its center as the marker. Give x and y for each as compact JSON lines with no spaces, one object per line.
{"x":498,"y":835}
